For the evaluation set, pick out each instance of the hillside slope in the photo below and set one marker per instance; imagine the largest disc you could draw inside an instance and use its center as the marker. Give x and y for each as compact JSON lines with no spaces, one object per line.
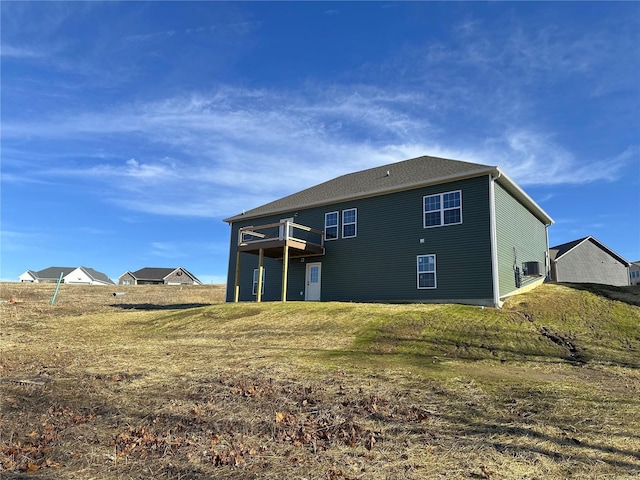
{"x":171,"y":383}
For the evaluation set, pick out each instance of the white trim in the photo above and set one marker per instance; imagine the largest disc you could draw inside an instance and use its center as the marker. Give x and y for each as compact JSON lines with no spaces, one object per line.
{"x":354,"y":223}
{"x":525,"y":198}
{"x":307,"y":271}
{"x":495,"y":272}
{"x":442,"y":209}
{"x":337,"y":226}
{"x":547,"y":255}
{"x":281,"y":229}
{"x":418,"y":272}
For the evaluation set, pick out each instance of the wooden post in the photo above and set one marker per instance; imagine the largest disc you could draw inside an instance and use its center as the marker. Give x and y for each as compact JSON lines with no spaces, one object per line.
{"x":236,"y":288}
{"x":260,"y":270}
{"x":285,"y":271}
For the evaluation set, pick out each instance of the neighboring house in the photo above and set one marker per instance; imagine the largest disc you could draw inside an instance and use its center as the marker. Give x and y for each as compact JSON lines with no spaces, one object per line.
{"x":80,"y":275}
{"x":48,"y":275}
{"x":634,"y":273}
{"x":87,"y":276}
{"x":586,"y":260}
{"x":159,"y":276}
{"x":28,"y":277}
{"x":421,"y":230}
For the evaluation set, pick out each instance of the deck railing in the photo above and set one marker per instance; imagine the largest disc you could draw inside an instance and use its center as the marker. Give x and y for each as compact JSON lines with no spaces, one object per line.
{"x":281,"y":231}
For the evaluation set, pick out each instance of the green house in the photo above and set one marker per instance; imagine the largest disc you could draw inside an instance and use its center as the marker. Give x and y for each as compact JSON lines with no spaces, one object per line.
{"x":421,"y":230}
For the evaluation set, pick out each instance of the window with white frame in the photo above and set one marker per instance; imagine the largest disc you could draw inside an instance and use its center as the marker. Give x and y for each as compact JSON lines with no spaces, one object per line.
{"x":254,"y":289}
{"x":442,"y":209}
{"x":349,"y":223}
{"x":331,"y":226}
{"x":426,"y":271}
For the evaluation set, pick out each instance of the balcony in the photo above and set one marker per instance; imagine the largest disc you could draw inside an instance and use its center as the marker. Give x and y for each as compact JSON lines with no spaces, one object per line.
{"x":272,"y":239}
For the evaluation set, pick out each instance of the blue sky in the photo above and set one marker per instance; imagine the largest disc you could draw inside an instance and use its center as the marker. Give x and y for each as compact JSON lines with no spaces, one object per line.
{"x":130,"y":130}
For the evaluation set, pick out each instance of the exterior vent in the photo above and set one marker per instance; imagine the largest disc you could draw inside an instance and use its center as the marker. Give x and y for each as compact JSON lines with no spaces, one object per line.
{"x":532,"y":269}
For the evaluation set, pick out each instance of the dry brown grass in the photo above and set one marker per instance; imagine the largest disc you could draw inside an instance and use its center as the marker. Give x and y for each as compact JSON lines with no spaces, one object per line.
{"x":167,"y":382}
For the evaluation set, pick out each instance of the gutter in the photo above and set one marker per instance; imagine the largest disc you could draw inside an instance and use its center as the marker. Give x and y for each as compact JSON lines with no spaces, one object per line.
{"x":524,"y":197}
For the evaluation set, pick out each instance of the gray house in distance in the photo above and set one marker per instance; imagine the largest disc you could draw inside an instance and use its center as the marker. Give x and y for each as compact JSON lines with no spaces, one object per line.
{"x":586,"y":260}
{"x":421,"y":230}
{"x":634,"y":273}
{"x":159,"y":276}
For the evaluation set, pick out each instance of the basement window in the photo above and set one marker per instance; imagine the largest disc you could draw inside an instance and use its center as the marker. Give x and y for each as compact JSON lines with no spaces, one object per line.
{"x":426,"y":271}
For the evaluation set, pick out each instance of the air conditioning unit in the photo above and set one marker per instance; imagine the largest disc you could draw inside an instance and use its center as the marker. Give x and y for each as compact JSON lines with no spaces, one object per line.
{"x":532,"y":269}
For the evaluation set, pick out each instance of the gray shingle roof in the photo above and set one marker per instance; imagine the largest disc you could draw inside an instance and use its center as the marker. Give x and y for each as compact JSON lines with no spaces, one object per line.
{"x":54,"y":272}
{"x":394,"y":177}
{"x":158,"y":274}
{"x":374,"y":181}
{"x":95,"y":275}
{"x":559,"y":250}
{"x":152,"y":273}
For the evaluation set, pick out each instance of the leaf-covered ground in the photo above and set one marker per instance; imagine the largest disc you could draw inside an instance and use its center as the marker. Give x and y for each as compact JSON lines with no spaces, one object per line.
{"x":167,"y":382}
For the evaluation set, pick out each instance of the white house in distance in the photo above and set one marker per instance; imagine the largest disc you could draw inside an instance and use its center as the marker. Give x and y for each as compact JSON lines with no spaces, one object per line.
{"x":87,"y":276}
{"x":71,"y":275}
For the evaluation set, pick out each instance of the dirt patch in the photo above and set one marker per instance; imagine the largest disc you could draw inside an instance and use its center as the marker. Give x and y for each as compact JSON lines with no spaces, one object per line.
{"x":576,"y":354}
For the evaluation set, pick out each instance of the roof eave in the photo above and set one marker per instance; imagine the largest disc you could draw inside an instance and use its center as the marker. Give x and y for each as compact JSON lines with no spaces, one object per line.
{"x":372,"y":193}
{"x":523,"y":197}
{"x":599,"y":244}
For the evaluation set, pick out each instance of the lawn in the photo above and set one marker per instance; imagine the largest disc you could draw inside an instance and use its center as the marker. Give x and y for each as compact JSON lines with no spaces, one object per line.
{"x":169,"y":382}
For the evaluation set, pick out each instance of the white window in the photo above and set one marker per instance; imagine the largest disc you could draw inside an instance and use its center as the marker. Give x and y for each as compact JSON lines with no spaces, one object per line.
{"x":442,"y":209}
{"x":349,"y":223}
{"x":254,"y":289}
{"x":426,"y":271}
{"x":331,"y":226}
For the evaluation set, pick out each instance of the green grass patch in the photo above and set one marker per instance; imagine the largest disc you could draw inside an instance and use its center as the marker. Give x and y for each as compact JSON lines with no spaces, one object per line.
{"x":547,"y":387}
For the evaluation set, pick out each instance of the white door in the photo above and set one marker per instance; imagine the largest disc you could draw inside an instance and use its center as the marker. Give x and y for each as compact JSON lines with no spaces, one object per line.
{"x":312,"y":291}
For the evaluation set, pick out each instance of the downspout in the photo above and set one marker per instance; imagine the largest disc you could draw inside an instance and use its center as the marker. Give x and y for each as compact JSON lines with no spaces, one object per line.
{"x":547,"y":258}
{"x":494,"y":239}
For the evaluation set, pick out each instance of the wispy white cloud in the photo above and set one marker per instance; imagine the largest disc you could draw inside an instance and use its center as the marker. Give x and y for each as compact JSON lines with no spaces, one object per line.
{"x":234,"y":149}
{"x":167,"y":250}
{"x":19,"y":52}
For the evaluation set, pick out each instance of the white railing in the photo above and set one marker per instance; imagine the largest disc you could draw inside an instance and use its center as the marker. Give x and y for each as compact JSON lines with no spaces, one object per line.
{"x":281,"y":231}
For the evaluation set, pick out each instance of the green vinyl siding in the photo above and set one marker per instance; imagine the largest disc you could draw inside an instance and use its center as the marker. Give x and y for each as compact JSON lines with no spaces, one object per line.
{"x":379,"y":264}
{"x":520,"y":238}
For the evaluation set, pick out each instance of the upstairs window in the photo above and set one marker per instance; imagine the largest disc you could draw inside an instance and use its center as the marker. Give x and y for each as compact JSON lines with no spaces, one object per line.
{"x":349,"y":223}
{"x":331,"y":226}
{"x":442,"y":209}
{"x":426,"y":271}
